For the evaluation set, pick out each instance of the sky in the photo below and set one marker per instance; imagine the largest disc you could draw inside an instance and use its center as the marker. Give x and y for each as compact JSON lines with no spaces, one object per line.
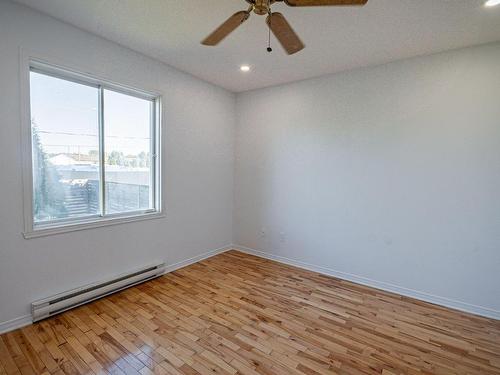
{"x":66,"y":114}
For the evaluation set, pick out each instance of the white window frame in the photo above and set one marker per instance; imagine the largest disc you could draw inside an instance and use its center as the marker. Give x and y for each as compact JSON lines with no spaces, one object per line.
{"x":32,"y":230}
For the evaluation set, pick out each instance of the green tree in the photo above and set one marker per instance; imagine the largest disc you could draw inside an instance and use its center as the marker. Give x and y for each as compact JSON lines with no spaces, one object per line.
{"x":94,"y":155}
{"x":49,"y":194}
{"x":143,"y":159}
{"x":116,"y":158}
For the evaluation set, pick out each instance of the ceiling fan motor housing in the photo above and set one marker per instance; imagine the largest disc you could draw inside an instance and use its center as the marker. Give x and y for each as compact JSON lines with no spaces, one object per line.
{"x":261,"y":7}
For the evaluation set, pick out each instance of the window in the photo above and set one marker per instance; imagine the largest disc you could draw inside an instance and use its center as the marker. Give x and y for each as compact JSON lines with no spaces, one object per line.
{"x":94,"y":150}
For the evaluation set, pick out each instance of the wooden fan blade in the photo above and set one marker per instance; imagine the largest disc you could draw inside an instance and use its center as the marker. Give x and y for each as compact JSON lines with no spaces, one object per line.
{"x":226,"y":28}
{"x":284,"y":33}
{"x":310,"y":3}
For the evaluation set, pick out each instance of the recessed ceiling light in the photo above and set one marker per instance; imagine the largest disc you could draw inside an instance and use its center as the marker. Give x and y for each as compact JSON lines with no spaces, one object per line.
{"x":245,"y":68}
{"x":491,"y":3}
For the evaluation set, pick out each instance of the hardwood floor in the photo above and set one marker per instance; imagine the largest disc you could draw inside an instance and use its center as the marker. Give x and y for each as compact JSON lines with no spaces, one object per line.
{"x":239,"y":314}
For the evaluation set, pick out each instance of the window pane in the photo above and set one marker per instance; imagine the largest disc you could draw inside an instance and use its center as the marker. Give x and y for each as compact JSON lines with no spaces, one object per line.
{"x":127,"y":134}
{"x":65,"y":148}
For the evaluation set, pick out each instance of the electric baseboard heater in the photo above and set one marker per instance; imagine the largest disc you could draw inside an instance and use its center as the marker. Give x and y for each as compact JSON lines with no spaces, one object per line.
{"x":50,"y":306}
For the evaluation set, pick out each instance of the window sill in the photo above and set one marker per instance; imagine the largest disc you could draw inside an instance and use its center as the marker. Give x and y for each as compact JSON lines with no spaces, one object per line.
{"x":50,"y":230}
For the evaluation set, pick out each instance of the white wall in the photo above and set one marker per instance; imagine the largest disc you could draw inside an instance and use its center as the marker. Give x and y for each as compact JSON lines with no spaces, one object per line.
{"x":387,"y":175}
{"x":198,"y":168}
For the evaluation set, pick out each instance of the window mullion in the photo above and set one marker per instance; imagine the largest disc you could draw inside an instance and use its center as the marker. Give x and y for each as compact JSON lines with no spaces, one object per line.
{"x":152,"y":155}
{"x":102,"y":155}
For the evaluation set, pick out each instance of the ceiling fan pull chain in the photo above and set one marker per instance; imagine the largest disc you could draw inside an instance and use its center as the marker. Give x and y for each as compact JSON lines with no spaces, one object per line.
{"x":269,"y":49}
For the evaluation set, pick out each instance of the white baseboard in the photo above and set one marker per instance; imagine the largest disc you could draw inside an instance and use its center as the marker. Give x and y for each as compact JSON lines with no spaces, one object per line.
{"x":25,"y":320}
{"x":426,"y":297}
{"x":198,"y":258}
{"x":15,"y":323}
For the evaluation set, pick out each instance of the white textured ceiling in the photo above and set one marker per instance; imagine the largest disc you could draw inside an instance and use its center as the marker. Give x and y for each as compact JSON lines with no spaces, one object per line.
{"x":336,"y":38}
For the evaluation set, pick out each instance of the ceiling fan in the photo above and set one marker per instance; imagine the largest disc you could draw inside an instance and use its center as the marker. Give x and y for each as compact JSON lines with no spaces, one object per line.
{"x":276,"y":22}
